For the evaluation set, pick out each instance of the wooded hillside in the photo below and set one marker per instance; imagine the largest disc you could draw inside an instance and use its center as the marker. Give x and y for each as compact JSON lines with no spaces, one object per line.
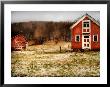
{"x":42,"y":31}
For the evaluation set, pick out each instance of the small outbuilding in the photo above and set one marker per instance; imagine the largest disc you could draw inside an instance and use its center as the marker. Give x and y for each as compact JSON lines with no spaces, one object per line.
{"x":85,"y":33}
{"x":18,"y":42}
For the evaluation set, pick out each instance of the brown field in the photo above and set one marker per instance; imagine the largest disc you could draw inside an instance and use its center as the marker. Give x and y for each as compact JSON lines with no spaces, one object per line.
{"x":48,"y":61}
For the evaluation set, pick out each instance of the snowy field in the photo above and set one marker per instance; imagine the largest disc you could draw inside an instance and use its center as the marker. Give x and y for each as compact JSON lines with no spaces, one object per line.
{"x":49,"y":60}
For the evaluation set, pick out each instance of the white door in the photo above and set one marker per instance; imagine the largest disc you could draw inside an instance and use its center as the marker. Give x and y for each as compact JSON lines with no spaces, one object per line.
{"x":86,"y":44}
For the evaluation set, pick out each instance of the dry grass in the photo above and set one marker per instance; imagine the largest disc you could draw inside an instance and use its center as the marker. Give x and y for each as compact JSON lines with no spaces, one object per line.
{"x":46,"y":60}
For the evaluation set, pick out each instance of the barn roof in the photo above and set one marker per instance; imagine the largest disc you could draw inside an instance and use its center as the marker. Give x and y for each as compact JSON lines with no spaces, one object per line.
{"x":81,"y":18}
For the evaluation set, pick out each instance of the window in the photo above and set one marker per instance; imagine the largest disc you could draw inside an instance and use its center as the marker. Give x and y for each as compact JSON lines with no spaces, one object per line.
{"x":84,"y":45}
{"x":84,"y":40}
{"x":87,"y":40}
{"x":86,"y":36}
{"x":95,"y":38}
{"x":84,"y":30}
{"x":87,"y":45}
{"x":87,"y":30}
{"x":77,"y":38}
{"x":85,"y":24}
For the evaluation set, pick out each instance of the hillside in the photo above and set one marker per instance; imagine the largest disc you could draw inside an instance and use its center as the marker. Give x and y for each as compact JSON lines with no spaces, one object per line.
{"x":42,"y":31}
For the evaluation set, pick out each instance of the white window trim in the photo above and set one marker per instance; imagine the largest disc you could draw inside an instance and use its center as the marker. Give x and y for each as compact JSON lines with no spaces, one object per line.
{"x":97,"y":37}
{"x":83,"y":23}
{"x":75,"y":38}
{"x":86,"y":27}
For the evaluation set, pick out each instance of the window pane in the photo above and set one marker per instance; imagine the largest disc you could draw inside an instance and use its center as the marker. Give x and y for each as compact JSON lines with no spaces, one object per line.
{"x":84,"y":40}
{"x":95,"y":38}
{"x":77,"y":38}
{"x":84,"y":25}
{"x":87,"y":25}
{"x":87,"y":45}
{"x":87,"y":40}
{"x":86,"y":36}
{"x":86,"y":22}
{"x":87,"y":30}
{"x":84,"y":30}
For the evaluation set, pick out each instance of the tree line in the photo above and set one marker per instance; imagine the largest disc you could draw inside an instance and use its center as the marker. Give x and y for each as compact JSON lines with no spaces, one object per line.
{"x":42,"y":31}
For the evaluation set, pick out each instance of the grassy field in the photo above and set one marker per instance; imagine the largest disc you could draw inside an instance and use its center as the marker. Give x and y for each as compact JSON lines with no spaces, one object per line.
{"x":48,"y":61}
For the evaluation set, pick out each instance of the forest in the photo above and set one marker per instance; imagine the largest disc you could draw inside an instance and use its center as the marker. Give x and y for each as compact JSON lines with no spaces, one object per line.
{"x":42,"y":31}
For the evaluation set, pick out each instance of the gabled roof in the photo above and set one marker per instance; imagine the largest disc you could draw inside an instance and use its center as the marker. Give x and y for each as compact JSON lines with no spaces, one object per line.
{"x":81,"y":18}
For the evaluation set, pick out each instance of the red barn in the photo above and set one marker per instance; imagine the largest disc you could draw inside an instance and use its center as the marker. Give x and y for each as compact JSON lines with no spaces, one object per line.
{"x":18,"y":42}
{"x":85,"y":33}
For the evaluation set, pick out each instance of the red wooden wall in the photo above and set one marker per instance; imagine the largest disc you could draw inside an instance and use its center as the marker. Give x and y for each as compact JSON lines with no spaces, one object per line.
{"x":77,"y":30}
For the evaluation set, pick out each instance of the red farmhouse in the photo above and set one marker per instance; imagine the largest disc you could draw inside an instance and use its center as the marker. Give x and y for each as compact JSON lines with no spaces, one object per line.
{"x":18,"y":42}
{"x":85,"y":33}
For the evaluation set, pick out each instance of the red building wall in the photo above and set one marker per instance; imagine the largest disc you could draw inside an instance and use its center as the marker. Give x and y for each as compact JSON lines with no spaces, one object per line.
{"x":95,"y":29}
{"x":77,"y":30}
